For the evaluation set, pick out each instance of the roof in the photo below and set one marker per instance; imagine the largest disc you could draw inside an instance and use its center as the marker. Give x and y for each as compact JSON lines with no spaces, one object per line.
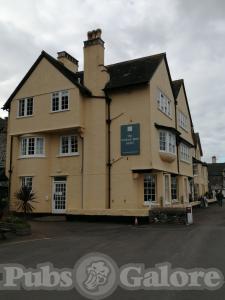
{"x":133,"y":72}
{"x":216,"y":169}
{"x":197,"y":141}
{"x":176,"y":86}
{"x":59,"y":66}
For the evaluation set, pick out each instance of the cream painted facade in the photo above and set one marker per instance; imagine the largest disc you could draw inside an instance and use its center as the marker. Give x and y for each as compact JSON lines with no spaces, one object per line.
{"x":94,"y":177}
{"x":200,"y":172}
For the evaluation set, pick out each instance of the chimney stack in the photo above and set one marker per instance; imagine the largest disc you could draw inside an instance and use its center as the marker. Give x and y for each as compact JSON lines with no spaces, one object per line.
{"x":94,"y":76}
{"x":214,"y":159}
{"x":68,"y":61}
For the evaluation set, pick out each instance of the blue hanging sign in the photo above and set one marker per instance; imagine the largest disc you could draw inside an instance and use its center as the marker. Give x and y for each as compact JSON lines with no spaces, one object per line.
{"x":130,"y":139}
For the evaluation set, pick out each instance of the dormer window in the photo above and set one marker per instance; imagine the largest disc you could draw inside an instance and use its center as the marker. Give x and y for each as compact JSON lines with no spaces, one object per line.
{"x":25,"y":108}
{"x":60,"y":101}
{"x":164,"y":103}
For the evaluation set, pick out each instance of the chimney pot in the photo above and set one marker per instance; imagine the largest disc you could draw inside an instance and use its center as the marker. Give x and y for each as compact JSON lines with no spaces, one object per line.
{"x":214,"y":159}
{"x":68,"y":61}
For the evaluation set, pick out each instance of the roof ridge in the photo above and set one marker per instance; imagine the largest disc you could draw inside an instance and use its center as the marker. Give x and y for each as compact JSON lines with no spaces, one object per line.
{"x":139,"y":58}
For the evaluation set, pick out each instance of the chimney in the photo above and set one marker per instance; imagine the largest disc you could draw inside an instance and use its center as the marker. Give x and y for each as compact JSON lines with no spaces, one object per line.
{"x":214,"y":159}
{"x":95,"y":75}
{"x":68,"y":61}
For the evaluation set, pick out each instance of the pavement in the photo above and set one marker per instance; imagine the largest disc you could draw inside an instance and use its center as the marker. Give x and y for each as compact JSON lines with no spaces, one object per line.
{"x":63,"y":243}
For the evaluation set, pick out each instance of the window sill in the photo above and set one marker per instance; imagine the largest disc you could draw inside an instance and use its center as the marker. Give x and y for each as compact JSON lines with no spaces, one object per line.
{"x":24,"y":117}
{"x":150,"y":203}
{"x":185,"y":129}
{"x":59,"y":111}
{"x":167,"y":156}
{"x":68,"y":155}
{"x":31,"y":156}
{"x":185,"y":161}
{"x":168,"y":116}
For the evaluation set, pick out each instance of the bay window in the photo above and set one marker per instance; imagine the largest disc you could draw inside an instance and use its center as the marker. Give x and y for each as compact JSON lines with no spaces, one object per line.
{"x":167,"y":141}
{"x":32,"y":146}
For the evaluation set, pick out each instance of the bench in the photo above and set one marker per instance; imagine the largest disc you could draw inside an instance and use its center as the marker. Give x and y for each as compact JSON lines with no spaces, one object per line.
{"x":6,"y":228}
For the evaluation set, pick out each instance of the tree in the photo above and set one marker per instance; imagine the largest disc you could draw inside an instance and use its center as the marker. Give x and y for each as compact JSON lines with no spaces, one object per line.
{"x":25,"y":198}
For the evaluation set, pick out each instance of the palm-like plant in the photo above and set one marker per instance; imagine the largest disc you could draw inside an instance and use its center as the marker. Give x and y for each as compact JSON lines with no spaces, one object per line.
{"x":25,"y":198}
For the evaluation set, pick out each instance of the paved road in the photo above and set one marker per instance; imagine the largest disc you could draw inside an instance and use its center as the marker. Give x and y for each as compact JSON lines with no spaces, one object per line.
{"x":63,"y":243}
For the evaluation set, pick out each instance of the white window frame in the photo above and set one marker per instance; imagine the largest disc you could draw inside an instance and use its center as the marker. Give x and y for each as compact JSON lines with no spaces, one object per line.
{"x":36,"y":154}
{"x":174,"y":187}
{"x":25,"y":179}
{"x":60,"y":95}
{"x":185,"y":153}
{"x":147,"y":202}
{"x":182,"y":120}
{"x":69,"y":153}
{"x":170,"y":142}
{"x":164,"y":103}
{"x":195,"y":169}
{"x":167,"y":189}
{"x":25,"y":115}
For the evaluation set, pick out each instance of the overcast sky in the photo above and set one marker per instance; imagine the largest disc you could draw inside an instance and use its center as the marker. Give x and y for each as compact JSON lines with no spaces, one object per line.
{"x":191,"y":32}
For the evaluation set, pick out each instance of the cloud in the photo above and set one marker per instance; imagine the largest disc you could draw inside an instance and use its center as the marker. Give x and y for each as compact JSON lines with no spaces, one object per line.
{"x":191,"y":32}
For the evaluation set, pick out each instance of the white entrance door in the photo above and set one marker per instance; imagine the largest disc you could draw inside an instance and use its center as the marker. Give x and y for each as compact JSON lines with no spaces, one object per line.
{"x":59,"y":197}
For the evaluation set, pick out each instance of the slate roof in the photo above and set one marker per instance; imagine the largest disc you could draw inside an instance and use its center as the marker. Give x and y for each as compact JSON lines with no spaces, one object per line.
{"x":197,"y":141}
{"x":59,"y":66}
{"x":133,"y":72}
{"x":176,"y":84}
{"x":122,"y":74}
{"x":216,"y":169}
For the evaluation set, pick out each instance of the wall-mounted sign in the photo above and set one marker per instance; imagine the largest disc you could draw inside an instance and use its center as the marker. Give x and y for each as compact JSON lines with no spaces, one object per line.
{"x":130,"y":139}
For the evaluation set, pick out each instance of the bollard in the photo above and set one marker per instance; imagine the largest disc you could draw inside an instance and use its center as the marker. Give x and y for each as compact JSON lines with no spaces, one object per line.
{"x":189,"y":215}
{"x":136,"y":221}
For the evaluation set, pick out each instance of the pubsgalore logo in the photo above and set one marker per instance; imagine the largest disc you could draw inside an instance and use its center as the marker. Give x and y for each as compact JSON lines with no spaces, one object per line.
{"x":96,"y":276}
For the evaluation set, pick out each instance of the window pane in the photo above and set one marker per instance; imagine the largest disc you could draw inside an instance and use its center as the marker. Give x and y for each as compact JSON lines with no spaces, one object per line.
{"x":29,"y":106}
{"x":149,"y":188}
{"x":73,"y":144}
{"x":39,"y":146}
{"x":174,"y":187}
{"x":65,"y":100}
{"x":55,"y":101}
{"x":162,"y":138}
{"x":27,"y":181}
{"x":23,"y":146}
{"x":65,"y":144}
{"x":21,"y":107}
{"x":31,"y":146}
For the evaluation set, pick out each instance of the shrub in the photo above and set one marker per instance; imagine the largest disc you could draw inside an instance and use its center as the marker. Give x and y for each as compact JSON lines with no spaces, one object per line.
{"x":25,"y":198}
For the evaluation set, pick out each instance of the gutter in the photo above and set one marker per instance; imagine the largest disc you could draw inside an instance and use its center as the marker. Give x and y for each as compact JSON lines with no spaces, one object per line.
{"x":10,"y":171}
{"x":178,"y":161}
{"x":109,"y":164}
{"x":108,"y":121}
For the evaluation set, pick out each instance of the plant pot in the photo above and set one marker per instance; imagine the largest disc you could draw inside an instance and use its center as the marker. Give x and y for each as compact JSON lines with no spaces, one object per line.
{"x":23,"y":231}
